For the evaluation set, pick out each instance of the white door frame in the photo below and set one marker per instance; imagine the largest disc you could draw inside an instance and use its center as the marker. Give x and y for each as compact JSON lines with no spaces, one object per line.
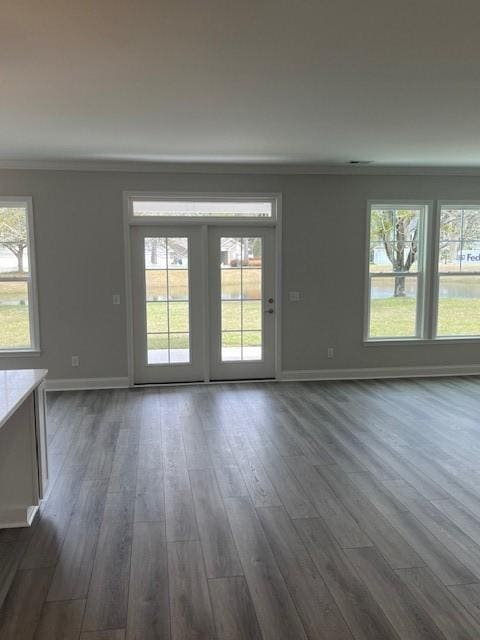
{"x":129,"y":221}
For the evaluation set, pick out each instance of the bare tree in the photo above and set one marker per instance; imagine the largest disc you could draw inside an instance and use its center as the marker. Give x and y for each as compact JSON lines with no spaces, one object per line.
{"x":13,"y":233}
{"x":397,"y":230}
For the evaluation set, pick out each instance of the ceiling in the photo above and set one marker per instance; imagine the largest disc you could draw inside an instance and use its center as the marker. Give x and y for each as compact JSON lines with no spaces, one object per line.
{"x":252,"y":81}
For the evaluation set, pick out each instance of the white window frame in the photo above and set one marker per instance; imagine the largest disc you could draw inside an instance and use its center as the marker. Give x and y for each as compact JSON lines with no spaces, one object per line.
{"x":461,"y":204}
{"x":424,"y":316}
{"x":30,"y":278}
{"x":131,"y":196}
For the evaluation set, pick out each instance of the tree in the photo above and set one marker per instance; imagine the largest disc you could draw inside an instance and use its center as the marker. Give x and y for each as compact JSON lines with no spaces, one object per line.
{"x":155,"y":246}
{"x":459,"y":233}
{"x":397,"y":230}
{"x":13,"y":233}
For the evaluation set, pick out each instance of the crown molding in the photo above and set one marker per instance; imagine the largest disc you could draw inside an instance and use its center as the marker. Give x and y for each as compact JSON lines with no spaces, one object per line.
{"x":234,"y":168}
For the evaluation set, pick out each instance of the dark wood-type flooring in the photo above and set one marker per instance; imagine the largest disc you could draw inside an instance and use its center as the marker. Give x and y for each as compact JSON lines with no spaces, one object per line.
{"x":274,"y":511}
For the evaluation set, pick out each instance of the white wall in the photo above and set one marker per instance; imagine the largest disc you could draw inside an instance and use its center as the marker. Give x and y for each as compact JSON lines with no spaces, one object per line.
{"x":78,"y":222}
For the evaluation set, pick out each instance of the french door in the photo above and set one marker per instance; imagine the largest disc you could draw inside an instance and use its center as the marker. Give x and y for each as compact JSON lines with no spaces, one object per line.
{"x":203,"y":303}
{"x":241,"y":276}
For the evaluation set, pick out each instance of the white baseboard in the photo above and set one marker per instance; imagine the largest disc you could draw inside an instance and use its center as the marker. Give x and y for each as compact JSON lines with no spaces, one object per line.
{"x":381,"y":372}
{"x":20,"y":517}
{"x":82,"y":384}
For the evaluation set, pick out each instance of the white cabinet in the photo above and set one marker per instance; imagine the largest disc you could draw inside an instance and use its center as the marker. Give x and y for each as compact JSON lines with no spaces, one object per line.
{"x":23,"y":446}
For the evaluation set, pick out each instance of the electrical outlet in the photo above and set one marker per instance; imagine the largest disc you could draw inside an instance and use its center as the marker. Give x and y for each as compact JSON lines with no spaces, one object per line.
{"x":116,"y":298}
{"x":75,"y":361}
{"x":330,"y":352}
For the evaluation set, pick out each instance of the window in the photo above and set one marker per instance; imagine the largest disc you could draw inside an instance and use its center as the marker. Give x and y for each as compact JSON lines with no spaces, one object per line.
{"x":423,"y":277}
{"x":18,"y":306}
{"x":167,"y":208}
{"x":395,"y":271}
{"x":458,"y":309}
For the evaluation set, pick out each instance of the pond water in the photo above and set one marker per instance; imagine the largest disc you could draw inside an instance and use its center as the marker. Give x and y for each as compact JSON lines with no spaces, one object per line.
{"x":449,"y":288}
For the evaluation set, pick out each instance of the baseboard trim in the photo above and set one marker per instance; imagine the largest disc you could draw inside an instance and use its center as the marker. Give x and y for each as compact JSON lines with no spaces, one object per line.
{"x":381,"y":372}
{"x":83,"y":384}
{"x":20,"y":517}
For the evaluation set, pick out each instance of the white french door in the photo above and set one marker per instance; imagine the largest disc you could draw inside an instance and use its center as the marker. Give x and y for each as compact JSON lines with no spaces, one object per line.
{"x":167,"y":300}
{"x":242,"y":302}
{"x":203,"y":301}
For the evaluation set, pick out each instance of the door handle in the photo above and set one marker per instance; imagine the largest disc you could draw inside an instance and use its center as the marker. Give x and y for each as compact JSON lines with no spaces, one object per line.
{"x":269,"y":310}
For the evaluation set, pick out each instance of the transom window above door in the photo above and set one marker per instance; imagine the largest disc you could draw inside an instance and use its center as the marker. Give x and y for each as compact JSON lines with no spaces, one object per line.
{"x":148,"y":208}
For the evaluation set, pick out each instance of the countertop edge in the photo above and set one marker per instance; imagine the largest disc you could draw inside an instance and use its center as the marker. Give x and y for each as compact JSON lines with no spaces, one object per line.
{"x":38,"y":378}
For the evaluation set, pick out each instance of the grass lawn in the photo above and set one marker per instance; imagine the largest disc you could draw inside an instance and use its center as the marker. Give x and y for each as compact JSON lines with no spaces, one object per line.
{"x":234,"y":284}
{"x":395,"y":317}
{"x":390,"y":317}
{"x":14,"y":320}
{"x":158,"y":320}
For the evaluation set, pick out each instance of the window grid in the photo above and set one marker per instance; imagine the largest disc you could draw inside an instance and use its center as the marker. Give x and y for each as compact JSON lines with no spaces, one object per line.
{"x":173,"y":353}
{"x":244,"y":334}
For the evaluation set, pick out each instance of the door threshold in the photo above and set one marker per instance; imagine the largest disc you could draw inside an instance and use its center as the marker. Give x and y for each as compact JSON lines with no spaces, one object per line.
{"x":141,"y":385}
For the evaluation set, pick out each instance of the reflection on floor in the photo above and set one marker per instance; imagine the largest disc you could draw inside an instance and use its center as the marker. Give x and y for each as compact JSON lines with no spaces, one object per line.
{"x":281,"y":511}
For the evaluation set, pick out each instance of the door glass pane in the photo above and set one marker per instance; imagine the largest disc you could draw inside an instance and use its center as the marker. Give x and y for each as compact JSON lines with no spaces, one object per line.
{"x":156,"y":284}
{"x":231,"y":345}
{"x":393,"y":307}
{"x":179,"y":347}
{"x":252,"y":315}
{"x":458,"y":306}
{"x":252,"y":345}
{"x":241,"y":298}
{"x":252,"y":284}
{"x":14,"y":315}
{"x":231,"y":284}
{"x":157,"y":317}
{"x":177,"y":284}
{"x":178,"y":317}
{"x":231,"y":315}
{"x":167,"y":300}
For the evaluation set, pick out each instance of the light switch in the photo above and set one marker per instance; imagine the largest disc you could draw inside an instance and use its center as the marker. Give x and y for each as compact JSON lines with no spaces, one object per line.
{"x":116,"y":298}
{"x":294,"y":296}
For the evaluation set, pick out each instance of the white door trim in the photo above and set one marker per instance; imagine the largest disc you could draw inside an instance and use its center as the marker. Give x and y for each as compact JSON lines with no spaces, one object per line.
{"x":129,"y":221}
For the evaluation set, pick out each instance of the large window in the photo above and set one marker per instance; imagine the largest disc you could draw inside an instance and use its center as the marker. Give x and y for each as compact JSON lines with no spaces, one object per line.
{"x":459,"y":271}
{"x":18,"y":306}
{"x":396,"y":274}
{"x":423,"y":273}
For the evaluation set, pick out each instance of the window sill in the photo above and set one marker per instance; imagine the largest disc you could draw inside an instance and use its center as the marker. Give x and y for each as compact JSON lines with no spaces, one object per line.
{"x":420,"y":341}
{"x":13,"y":353}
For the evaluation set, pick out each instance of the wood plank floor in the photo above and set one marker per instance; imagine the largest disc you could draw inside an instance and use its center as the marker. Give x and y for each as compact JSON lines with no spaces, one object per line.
{"x":274,"y":511}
